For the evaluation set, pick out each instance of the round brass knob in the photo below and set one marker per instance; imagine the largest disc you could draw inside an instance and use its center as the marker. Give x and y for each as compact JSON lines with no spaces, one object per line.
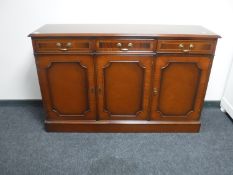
{"x":58,"y":44}
{"x":130,"y":45}
{"x":191,"y":46}
{"x":69,"y":44}
{"x":155,"y":91}
{"x":181,"y":45}
{"x":118,"y":44}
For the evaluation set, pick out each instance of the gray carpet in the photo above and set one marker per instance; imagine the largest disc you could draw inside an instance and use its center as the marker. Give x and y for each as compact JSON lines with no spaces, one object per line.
{"x":26,"y":149}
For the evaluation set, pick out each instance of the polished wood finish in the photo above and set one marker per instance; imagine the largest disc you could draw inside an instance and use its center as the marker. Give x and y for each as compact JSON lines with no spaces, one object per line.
{"x":123,"y":30}
{"x":67,"y":86}
{"x":198,"y":46}
{"x":61,"y":45}
{"x":180,"y":82}
{"x":121,"y":45}
{"x":122,"y":126}
{"x":123,"y":86}
{"x":123,"y":78}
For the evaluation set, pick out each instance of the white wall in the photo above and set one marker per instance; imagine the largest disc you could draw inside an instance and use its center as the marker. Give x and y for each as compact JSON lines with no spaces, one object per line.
{"x":18,"y":79}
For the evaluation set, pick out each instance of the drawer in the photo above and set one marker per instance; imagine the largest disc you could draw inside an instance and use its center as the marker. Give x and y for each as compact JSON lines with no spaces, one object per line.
{"x":62,"y":45}
{"x":186,"y":46}
{"x":124,"y":45}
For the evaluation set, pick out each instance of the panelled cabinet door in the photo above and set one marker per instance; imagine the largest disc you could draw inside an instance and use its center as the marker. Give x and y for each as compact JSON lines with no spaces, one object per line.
{"x":123,"y":86}
{"x":179,"y":87}
{"x":67,"y":86}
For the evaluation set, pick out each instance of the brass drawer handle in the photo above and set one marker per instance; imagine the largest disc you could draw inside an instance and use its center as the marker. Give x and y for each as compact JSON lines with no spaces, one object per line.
{"x":68,"y":45}
{"x":186,"y":50}
{"x":63,"y":49}
{"x":124,"y":49}
{"x":181,"y":46}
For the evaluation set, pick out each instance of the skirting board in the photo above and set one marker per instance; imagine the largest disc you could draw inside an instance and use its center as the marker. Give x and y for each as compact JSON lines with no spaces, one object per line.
{"x":226,"y":106}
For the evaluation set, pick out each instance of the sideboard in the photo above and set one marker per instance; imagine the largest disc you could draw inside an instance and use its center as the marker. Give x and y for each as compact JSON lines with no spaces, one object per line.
{"x":123,"y":78}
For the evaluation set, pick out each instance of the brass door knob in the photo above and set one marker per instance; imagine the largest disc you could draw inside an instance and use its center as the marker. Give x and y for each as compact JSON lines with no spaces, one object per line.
{"x":155,"y":91}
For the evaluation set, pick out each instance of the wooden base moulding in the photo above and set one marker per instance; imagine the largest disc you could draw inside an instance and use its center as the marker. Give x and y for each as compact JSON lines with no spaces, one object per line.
{"x":122,"y":126}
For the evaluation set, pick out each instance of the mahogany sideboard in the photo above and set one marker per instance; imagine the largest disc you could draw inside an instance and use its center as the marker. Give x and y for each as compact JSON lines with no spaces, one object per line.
{"x":123,"y":78}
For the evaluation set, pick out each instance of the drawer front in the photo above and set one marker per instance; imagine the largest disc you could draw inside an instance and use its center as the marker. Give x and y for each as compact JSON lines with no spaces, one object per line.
{"x":62,"y":45}
{"x":120,"y":45}
{"x":186,"y":46}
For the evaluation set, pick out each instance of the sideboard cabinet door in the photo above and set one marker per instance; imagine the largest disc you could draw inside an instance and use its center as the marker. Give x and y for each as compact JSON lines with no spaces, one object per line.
{"x":123,"y":86}
{"x":179,"y":87}
{"x":67,"y":86}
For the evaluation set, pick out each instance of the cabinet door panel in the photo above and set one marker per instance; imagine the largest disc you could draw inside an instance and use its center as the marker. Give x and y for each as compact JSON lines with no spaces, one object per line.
{"x":179,"y":87}
{"x":124,"y":85}
{"x":67,"y":86}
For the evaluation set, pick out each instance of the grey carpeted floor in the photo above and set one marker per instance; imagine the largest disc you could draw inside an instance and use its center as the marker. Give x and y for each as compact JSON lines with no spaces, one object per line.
{"x":26,"y":149}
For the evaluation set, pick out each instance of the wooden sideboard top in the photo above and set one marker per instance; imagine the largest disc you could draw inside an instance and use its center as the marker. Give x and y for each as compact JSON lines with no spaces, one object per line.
{"x":148,"y":30}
